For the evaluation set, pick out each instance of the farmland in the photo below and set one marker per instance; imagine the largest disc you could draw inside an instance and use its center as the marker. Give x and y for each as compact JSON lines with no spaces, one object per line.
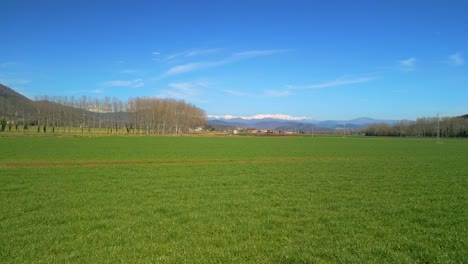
{"x":233,"y":199}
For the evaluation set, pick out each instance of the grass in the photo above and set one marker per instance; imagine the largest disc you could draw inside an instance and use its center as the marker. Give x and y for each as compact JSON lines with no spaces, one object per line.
{"x":286,"y":200}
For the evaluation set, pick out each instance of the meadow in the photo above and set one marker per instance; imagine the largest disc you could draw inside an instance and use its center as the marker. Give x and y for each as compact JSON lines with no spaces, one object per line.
{"x":233,"y":200}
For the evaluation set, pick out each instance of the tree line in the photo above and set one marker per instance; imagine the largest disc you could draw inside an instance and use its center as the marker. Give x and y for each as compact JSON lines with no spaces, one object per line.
{"x":62,"y":114}
{"x":423,"y":127}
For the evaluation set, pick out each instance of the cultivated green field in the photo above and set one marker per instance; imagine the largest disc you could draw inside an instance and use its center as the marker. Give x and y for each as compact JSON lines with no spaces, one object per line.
{"x":233,"y":199}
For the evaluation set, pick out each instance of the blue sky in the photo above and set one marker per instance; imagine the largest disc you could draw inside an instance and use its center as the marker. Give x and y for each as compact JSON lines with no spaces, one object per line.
{"x":317,"y":59}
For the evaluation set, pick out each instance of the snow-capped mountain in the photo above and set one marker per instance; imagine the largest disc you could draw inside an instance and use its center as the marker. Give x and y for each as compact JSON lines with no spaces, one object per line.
{"x":286,"y":122}
{"x":260,"y":116}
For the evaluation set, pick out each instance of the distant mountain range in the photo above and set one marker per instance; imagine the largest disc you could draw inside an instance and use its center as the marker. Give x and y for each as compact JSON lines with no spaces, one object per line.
{"x":287,"y":123}
{"x":13,"y":102}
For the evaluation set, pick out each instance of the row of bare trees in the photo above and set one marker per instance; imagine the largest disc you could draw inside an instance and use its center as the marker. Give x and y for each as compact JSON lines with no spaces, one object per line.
{"x":164,"y":116}
{"x":423,"y":127}
{"x":61,"y":114}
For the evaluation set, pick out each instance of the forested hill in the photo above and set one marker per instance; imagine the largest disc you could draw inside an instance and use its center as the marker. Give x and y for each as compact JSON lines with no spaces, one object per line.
{"x":7,"y":92}
{"x":61,"y":113}
{"x":10,"y":99}
{"x":17,"y":108}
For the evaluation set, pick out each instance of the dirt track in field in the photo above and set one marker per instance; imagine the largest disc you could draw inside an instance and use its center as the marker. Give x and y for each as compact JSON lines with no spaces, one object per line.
{"x":115,"y":163}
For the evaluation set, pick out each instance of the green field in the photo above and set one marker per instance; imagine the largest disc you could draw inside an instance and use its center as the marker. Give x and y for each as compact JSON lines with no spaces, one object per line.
{"x":233,"y":200}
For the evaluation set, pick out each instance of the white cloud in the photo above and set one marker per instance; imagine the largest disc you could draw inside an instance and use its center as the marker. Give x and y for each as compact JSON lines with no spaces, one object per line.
{"x":132,"y":83}
{"x":156,"y":53}
{"x":457,"y":59}
{"x":408,"y":64}
{"x":332,"y":83}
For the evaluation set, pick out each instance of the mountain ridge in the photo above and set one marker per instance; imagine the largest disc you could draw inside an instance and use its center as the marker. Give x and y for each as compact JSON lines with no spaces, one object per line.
{"x":291,"y":124}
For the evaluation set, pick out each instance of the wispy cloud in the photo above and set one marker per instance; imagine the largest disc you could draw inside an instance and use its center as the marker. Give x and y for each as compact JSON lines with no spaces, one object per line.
{"x":257,"y":53}
{"x":132,"y":83}
{"x":185,"y":68}
{"x":202,"y":52}
{"x":174,"y":56}
{"x":457,"y":59}
{"x":289,"y":89}
{"x":339,"y":82}
{"x":194,"y":53}
{"x":156,"y":55}
{"x":190,"y":67}
{"x":189,"y":91}
{"x":182,"y":90}
{"x":408,"y":64}
{"x":188,"y":86}
{"x":235,"y":57}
